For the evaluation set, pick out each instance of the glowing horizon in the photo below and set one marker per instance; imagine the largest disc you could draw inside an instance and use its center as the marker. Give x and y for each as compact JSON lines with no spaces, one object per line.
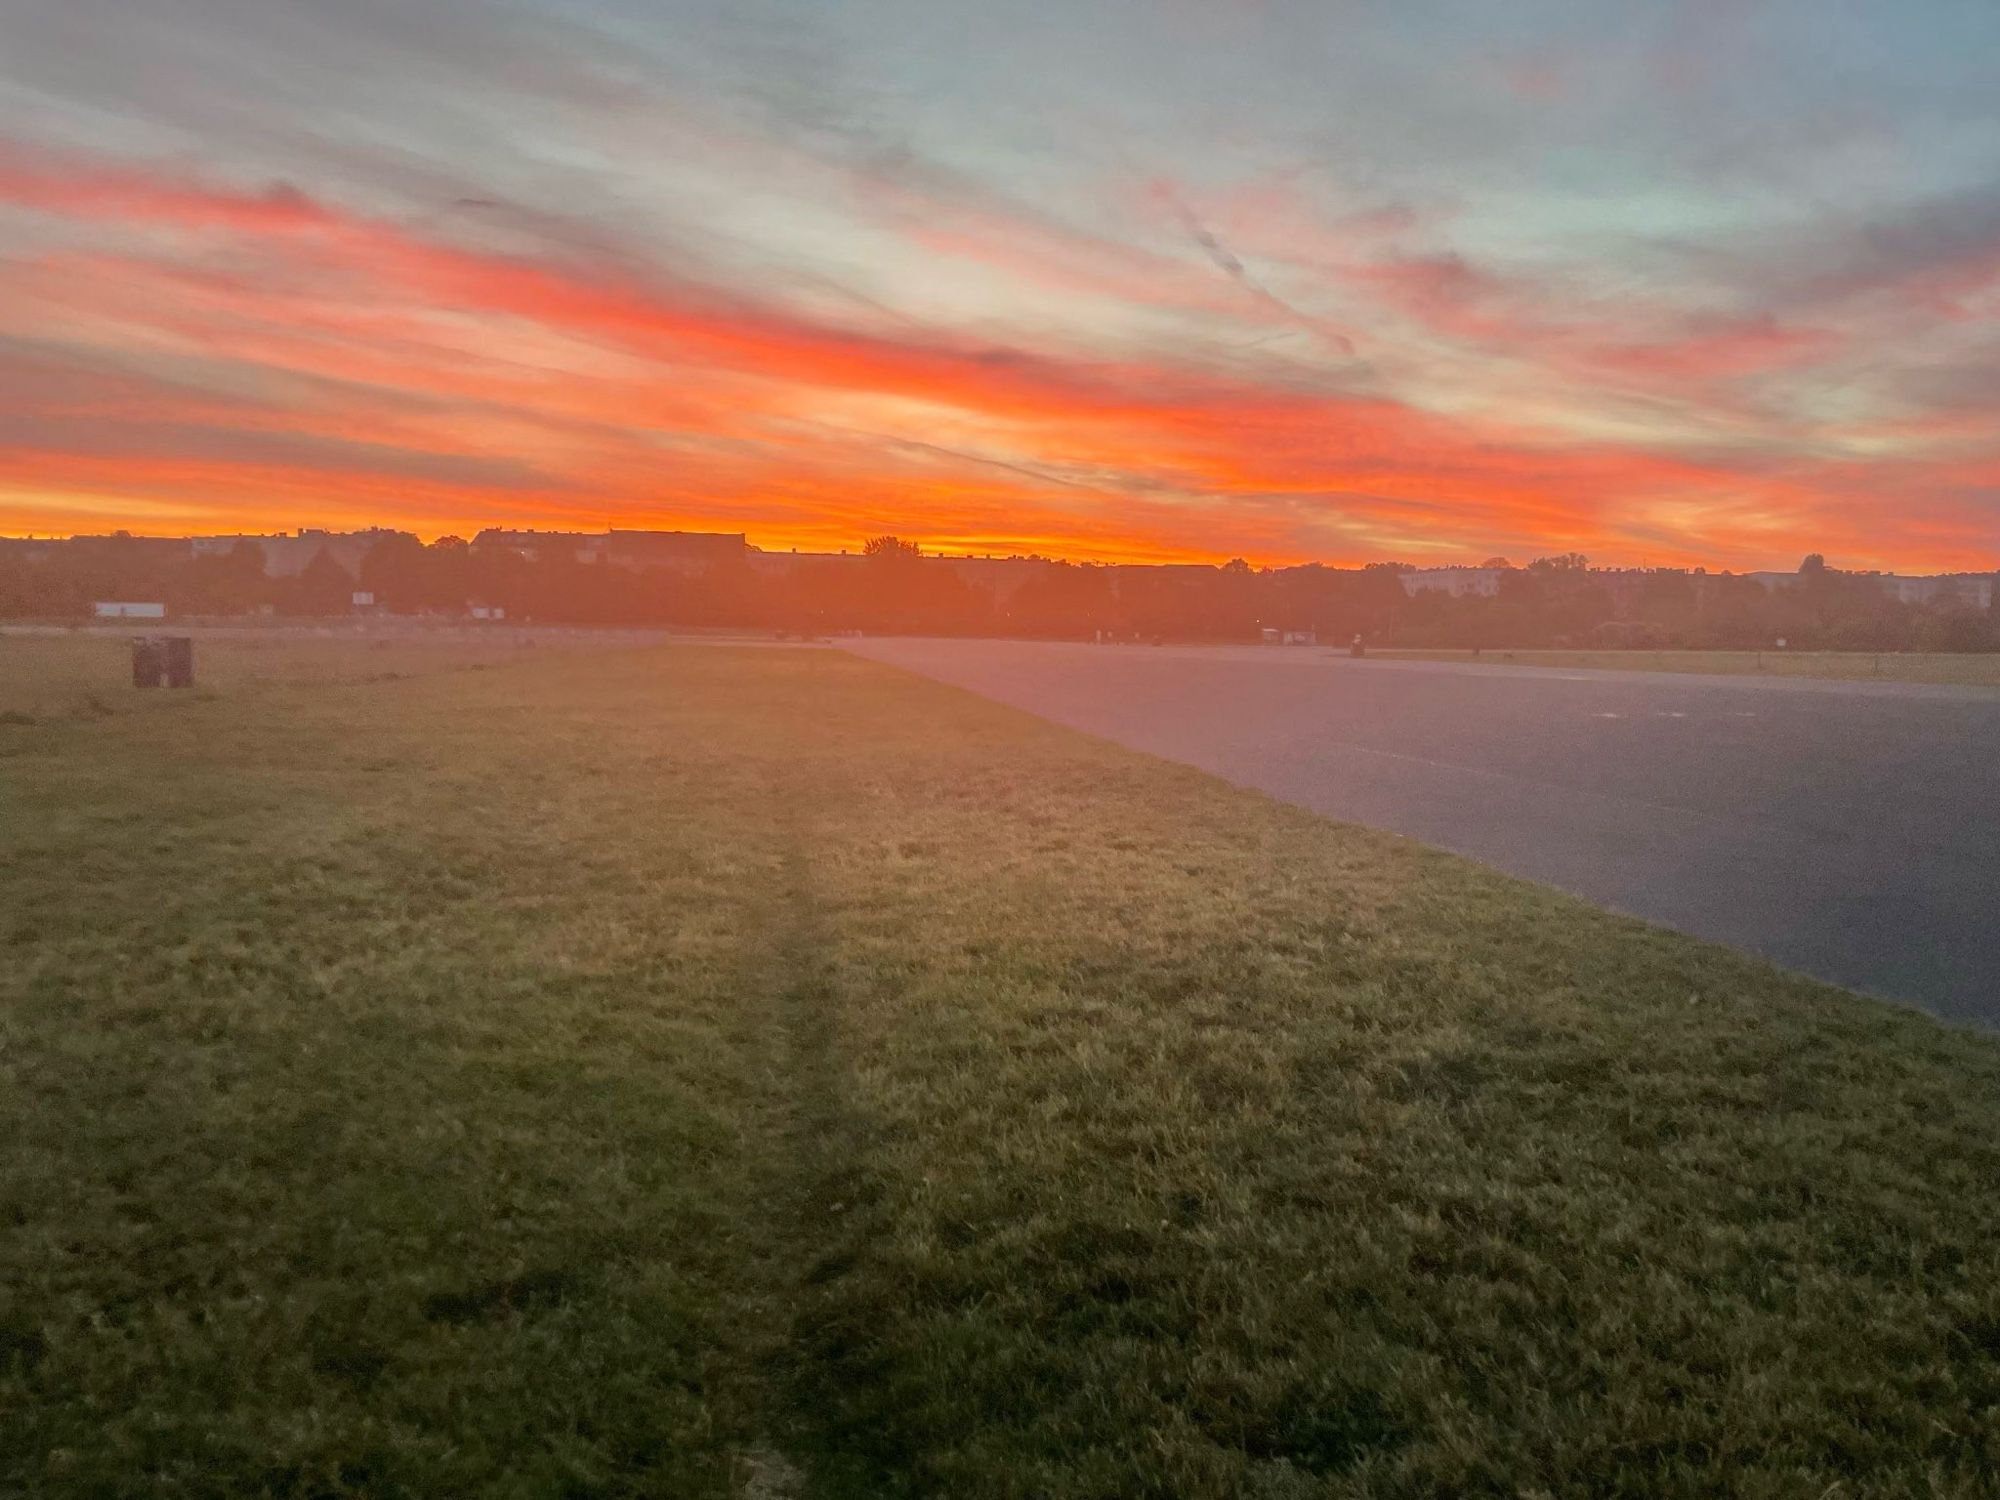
{"x":1710,"y":286}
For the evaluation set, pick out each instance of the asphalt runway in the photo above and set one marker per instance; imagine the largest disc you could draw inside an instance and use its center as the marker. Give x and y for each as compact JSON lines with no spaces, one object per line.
{"x":1849,"y":830}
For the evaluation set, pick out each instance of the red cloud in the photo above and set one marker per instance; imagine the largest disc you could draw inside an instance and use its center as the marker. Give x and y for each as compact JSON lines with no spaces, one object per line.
{"x":88,"y":189}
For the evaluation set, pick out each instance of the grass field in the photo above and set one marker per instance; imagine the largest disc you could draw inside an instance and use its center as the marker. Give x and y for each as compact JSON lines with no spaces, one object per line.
{"x":86,"y":675}
{"x":1978,"y":669}
{"x":733,"y":1071}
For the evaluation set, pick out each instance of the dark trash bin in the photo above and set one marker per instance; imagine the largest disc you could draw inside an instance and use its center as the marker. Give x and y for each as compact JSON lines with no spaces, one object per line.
{"x":180,"y":661}
{"x":149,"y":662}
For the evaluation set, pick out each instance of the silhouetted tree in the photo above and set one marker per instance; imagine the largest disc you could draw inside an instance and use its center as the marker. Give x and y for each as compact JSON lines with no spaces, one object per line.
{"x":397,"y":571}
{"x":226,"y":583}
{"x":322,"y":587}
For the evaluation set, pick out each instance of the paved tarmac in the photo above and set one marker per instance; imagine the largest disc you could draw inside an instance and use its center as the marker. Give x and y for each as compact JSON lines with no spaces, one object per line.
{"x":1850,"y":830}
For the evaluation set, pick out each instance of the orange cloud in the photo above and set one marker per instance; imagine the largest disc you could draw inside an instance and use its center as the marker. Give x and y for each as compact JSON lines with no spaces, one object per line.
{"x":332,"y":364}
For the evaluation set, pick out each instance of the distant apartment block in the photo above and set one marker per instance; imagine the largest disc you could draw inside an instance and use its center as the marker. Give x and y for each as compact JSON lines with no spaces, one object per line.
{"x":1002,"y":577}
{"x":288,"y":556}
{"x":539,"y":546}
{"x":1458,"y":582}
{"x":681,"y":551}
{"x":1964,"y":590}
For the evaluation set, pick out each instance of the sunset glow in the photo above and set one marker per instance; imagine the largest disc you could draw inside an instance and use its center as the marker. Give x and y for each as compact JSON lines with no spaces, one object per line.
{"x":1171,"y":282}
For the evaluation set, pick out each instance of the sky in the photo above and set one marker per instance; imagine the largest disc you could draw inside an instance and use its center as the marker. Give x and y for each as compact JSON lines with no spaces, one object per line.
{"x":1686,"y":282}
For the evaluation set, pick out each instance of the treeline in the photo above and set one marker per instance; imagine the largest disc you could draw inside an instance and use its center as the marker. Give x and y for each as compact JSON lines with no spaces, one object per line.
{"x":891,"y":588}
{"x":1563,"y":602}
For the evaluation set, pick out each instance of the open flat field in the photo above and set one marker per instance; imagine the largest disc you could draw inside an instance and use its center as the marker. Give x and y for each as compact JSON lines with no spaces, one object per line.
{"x":731,"y":1071}
{"x":1847,"y":666}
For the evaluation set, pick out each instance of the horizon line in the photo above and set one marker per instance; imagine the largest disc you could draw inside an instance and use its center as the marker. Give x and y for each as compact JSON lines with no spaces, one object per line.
{"x":988,"y":554}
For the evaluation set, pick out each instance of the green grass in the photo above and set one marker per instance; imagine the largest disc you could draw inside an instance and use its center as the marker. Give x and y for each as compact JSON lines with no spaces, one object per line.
{"x":1977,"y":669}
{"x":87,"y":674}
{"x":716,"y":1071}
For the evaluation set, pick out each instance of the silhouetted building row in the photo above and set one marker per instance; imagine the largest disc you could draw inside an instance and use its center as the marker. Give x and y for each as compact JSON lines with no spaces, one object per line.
{"x":288,"y":555}
{"x":685,"y":551}
{"x":1965,"y":590}
{"x":651,"y":577}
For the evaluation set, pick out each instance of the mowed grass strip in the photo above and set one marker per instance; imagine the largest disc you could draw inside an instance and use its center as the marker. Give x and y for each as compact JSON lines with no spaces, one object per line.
{"x":1969,"y":669}
{"x":722,"y":1071}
